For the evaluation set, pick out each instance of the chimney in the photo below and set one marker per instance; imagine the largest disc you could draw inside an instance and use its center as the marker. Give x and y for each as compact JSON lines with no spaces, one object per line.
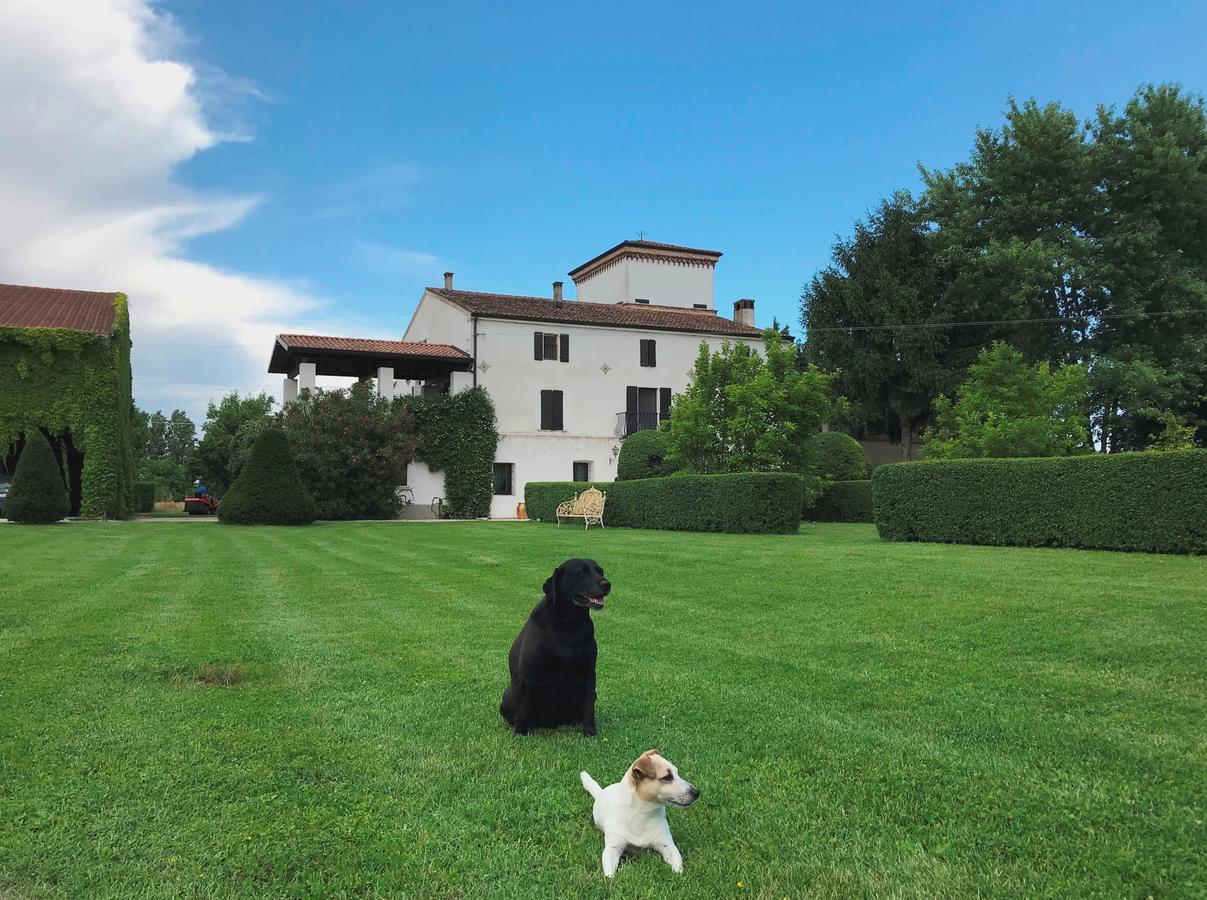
{"x":743,"y":312}
{"x":557,"y":292}
{"x":448,"y":281}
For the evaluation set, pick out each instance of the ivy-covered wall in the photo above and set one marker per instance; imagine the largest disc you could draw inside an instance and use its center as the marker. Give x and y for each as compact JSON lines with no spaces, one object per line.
{"x":457,"y":434}
{"x":77,"y":383}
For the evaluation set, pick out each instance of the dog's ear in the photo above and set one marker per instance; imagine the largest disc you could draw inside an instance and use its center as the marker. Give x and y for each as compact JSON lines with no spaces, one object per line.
{"x":644,"y":767}
{"x":550,"y":585}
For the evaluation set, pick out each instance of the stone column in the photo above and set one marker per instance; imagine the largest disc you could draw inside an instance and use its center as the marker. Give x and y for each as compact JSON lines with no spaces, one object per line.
{"x":306,"y":376}
{"x":289,"y":391}
{"x":385,"y":382}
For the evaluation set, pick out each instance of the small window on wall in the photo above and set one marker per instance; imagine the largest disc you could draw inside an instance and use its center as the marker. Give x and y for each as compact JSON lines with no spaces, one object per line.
{"x":640,"y":300}
{"x":550,"y":346}
{"x":582,"y":471}
{"x":505,"y":478}
{"x":649,"y":356}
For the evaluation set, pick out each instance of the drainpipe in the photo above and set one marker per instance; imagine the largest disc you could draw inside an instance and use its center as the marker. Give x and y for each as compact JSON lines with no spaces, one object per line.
{"x":474,"y":321}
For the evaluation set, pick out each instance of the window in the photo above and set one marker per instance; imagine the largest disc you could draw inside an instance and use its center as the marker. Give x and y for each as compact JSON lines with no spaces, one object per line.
{"x":648,"y":355}
{"x":699,"y":306}
{"x":504,"y":478}
{"x":551,"y":410}
{"x":640,"y":300}
{"x":550,"y":346}
{"x":582,"y":471}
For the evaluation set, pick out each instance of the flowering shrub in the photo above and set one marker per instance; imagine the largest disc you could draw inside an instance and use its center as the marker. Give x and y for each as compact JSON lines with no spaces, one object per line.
{"x":352,"y":449}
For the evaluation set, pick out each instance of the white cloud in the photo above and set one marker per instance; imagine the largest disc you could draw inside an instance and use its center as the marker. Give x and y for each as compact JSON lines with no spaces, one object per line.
{"x":395,"y":260}
{"x":94,"y":116}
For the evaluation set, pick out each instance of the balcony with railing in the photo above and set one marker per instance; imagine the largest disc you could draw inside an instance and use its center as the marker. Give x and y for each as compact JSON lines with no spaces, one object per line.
{"x":629,"y":422}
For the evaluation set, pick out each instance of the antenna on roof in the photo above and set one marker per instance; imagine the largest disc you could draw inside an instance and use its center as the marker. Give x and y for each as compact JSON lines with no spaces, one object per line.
{"x":641,"y":235}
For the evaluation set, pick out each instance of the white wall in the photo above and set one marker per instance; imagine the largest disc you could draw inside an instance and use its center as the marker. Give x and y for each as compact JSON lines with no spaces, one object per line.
{"x":439,"y":322}
{"x":550,"y":456}
{"x":662,"y":283}
{"x":591,"y":398}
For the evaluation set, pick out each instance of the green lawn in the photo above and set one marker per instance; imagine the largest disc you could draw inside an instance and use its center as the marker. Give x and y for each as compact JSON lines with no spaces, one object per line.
{"x":864,"y":719}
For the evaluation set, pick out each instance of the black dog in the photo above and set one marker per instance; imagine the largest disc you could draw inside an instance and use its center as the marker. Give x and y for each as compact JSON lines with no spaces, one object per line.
{"x":552,"y":661}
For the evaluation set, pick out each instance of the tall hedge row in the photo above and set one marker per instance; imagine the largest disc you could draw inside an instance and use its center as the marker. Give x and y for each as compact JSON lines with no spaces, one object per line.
{"x":1152,"y":502}
{"x":744,"y":503}
{"x":843,"y":501}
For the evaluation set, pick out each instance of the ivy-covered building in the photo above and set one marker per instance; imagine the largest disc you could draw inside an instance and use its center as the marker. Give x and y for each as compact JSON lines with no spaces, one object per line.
{"x":65,"y":370}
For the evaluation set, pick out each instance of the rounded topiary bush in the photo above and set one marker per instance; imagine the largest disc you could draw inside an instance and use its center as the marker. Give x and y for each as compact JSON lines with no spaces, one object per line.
{"x":643,"y":455}
{"x":269,"y":490}
{"x":37,"y":495}
{"x":835,"y":456}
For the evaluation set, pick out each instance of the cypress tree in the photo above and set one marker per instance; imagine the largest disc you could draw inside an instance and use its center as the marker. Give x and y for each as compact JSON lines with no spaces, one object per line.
{"x":38,"y":495}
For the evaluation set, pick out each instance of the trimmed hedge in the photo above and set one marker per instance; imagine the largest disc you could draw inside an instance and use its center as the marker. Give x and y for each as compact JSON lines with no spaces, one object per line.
{"x":742,"y":503}
{"x":835,"y":456}
{"x":268,"y":490}
{"x":843,"y":501}
{"x":643,"y":455}
{"x":1151,"y":502}
{"x":144,"y":496}
{"x":37,"y":495}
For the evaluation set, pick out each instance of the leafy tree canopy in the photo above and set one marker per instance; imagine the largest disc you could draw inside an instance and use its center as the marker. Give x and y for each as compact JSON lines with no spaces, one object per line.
{"x":212,"y":455}
{"x":746,"y":412}
{"x":1009,"y":408}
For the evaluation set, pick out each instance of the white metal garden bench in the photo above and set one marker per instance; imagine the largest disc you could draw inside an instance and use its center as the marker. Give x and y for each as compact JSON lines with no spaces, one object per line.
{"x":588,"y":506}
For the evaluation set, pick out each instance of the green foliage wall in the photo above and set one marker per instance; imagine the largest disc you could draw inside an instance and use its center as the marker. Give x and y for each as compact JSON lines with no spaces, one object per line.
{"x":457,"y":435}
{"x":740,"y":503}
{"x":61,"y":380}
{"x":842,"y":501}
{"x":1153,"y":502}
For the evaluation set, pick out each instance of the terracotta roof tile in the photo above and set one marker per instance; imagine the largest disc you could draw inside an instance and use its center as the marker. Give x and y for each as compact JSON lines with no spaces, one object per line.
{"x":37,"y":307}
{"x":303,"y":342}
{"x":582,"y":312}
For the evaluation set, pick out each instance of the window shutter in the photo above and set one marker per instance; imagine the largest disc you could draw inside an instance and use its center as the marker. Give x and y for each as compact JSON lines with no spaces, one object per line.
{"x":652,"y":353}
{"x":565,"y":342}
{"x":538,"y":345}
{"x":557,"y":410}
{"x":664,"y":403}
{"x":645,"y":352}
{"x":546,"y":410}
{"x":630,"y":400}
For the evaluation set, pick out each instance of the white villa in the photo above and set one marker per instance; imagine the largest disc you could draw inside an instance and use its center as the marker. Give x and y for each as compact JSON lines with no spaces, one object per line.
{"x":569,"y":378}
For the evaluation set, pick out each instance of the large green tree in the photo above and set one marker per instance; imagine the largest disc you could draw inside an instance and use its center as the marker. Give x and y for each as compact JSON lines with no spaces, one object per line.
{"x":745,"y":411}
{"x":1084,"y":242}
{"x":878,"y":314}
{"x":1151,"y":229}
{"x":1010,"y":408}
{"x":213,"y":453}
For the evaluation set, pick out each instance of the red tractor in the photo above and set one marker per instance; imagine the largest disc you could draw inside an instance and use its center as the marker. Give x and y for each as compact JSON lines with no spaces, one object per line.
{"x":200,"y":504}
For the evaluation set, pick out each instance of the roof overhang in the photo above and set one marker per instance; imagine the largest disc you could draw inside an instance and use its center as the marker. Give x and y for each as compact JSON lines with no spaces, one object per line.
{"x":408,"y":360}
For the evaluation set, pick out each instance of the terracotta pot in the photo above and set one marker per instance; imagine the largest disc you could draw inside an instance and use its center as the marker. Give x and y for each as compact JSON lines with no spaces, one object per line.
{"x":520,"y":511}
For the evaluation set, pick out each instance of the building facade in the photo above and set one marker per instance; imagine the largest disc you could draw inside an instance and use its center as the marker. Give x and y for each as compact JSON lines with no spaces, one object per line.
{"x":569,"y":378}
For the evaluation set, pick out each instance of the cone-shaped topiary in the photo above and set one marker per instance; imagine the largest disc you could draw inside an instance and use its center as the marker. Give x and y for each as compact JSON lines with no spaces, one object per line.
{"x":835,"y":456}
{"x":269,"y":490}
{"x":37,"y":495}
{"x":643,"y":455}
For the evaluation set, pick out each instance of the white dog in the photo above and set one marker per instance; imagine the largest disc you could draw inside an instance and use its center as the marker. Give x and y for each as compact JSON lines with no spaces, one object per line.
{"x":632,"y":812}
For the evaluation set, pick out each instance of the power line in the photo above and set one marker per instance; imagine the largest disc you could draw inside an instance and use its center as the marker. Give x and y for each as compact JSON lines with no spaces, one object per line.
{"x":1051,"y":320}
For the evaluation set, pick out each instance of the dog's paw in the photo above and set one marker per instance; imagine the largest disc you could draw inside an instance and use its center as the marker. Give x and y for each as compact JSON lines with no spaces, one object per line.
{"x":589,"y":730}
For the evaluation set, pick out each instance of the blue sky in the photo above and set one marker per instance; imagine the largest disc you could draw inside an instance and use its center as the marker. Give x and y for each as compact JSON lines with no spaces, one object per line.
{"x":240,"y":168}
{"x":510,"y":142}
